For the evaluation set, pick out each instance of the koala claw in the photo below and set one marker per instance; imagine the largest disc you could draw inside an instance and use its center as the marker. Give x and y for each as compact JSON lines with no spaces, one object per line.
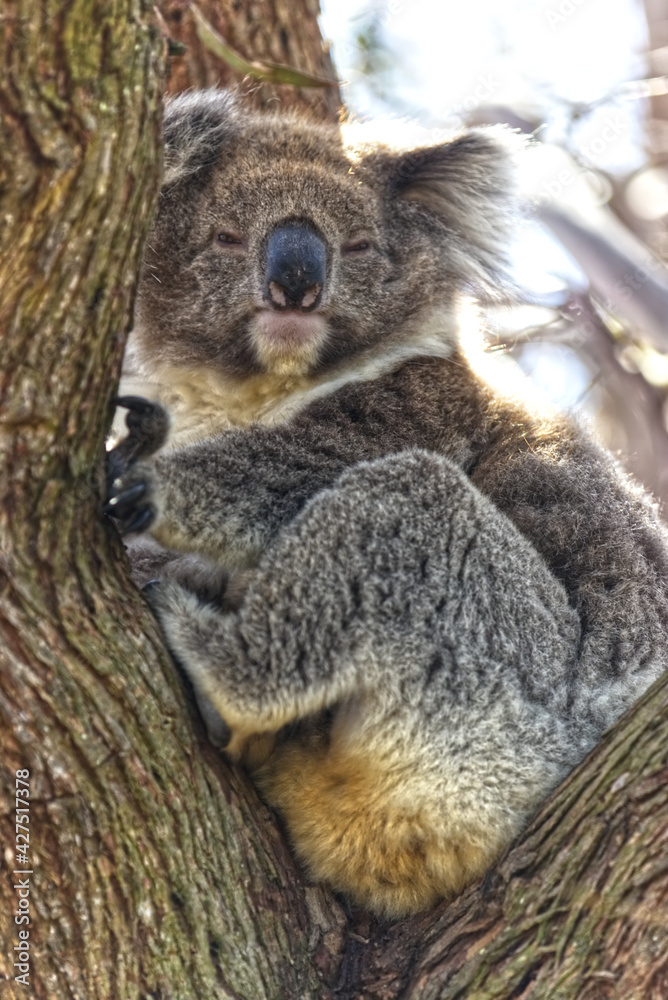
{"x":136,"y":404}
{"x":148,"y":426}
{"x":127,"y":501}
{"x":139,"y":523}
{"x":117,"y":503}
{"x":130,"y":515}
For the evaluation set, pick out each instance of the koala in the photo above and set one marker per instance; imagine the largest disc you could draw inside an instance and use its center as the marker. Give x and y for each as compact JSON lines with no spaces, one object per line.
{"x":429,"y":599}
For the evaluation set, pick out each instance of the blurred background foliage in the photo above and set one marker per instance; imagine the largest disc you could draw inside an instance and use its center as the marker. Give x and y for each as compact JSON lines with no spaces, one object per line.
{"x":589,"y":80}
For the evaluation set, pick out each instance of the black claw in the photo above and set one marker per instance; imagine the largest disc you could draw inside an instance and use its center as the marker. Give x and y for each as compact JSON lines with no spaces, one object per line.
{"x":148,"y":425}
{"x":136,"y":403}
{"x":126,"y":497}
{"x":138,"y":523}
{"x":131,"y":494}
{"x":116,"y":465}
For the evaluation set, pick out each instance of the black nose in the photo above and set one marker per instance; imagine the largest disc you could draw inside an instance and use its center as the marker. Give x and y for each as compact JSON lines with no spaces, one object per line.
{"x":296,"y":266}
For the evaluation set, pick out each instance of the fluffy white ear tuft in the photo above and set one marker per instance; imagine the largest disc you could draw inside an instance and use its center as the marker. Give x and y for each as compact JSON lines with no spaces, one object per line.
{"x":469,"y":184}
{"x":197,"y":126}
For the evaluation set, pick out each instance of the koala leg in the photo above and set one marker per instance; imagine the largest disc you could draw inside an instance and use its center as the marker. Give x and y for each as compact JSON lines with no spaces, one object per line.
{"x":403,"y":602}
{"x":151,"y":565}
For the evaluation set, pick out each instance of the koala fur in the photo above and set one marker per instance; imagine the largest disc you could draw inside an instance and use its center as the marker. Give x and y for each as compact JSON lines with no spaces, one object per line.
{"x":446,"y":596}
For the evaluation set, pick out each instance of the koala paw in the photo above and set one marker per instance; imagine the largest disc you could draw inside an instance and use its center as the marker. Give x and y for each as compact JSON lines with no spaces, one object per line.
{"x":129,"y":487}
{"x":130,"y":500}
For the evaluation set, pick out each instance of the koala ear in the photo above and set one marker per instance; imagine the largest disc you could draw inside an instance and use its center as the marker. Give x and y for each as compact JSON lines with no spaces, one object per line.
{"x":469,"y":184}
{"x":196,"y":128}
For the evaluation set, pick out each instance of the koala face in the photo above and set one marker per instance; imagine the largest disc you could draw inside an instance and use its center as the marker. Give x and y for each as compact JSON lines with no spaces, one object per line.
{"x":284,"y":246}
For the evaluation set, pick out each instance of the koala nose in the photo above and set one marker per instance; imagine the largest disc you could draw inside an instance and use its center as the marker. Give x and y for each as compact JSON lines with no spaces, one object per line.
{"x":296,"y":266}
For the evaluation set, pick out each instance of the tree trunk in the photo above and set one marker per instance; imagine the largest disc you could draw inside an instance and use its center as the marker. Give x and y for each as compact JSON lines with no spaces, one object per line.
{"x":152,"y":870}
{"x":139,"y":864}
{"x":275,"y":31}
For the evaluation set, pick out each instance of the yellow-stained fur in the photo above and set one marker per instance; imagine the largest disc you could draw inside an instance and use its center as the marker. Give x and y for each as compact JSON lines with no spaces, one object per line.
{"x":351,"y":829}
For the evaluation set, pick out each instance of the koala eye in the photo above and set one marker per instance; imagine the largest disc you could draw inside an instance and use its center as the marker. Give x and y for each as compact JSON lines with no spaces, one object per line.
{"x":229,"y":240}
{"x":358,"y":247}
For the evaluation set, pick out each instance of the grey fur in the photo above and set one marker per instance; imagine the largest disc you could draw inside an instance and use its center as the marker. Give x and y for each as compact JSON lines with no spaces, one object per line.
{"x":436,"y":580}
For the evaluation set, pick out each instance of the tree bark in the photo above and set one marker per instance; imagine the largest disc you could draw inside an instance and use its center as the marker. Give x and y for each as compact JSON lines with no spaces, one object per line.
{"x":275,"y":31}
{"x":152,"y":870}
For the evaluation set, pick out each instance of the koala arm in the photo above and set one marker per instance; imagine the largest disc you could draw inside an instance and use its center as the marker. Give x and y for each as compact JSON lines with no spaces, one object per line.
{"x":228,"y":496}
{"x":602,"y":537}
{"x":391,"y":595}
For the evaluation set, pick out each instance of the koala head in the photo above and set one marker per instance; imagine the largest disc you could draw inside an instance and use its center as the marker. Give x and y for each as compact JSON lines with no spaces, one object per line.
{"x":285,"y":246}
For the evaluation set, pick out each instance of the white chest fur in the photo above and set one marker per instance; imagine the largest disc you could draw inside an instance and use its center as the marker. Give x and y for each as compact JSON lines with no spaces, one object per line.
{"x":202,"y":402}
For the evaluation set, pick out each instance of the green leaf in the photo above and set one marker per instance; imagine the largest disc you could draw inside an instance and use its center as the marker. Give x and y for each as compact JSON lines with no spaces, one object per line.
{"x":268,"y":71}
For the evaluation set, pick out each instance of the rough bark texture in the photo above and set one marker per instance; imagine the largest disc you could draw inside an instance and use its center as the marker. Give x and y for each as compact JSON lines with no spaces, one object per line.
{"x":277,"y":31}
{"x":153,"y":870}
